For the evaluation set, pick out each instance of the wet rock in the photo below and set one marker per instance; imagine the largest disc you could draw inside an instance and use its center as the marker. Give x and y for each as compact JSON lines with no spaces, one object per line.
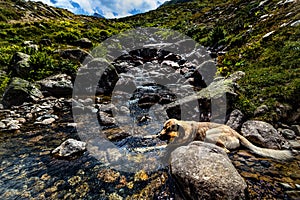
{"x":295,"y":144}
{"x":287,"y":133}
{"x":2,"y":125}
{"x":59,"y":85}
{"x":296,"y":129}
{"x":293,"y":194}
{"x":115,"y":134}
{"x":141,"y":176}
{"x":14,"y":127}
{"x":20,"y":65}
{"x":235,"y":120}
{"x":70,"y":147}
{"x":48,"y":121}
{"x":83,"y":43}
{"x":261,"y":110}
{"x":171,"y":64}
{"x":20,"y":91}
{"x":264,"y":135}
{"x":105,"y":119}
{"x":108,"y":175}
{"x":286,"y":186}
{"x":203,"y":171}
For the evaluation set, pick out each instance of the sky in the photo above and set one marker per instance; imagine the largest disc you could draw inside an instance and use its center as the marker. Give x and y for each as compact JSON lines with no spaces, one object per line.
{"x":106,"y":8}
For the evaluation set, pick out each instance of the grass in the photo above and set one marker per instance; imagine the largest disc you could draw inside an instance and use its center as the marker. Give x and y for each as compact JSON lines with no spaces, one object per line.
{"x":271,"y":64}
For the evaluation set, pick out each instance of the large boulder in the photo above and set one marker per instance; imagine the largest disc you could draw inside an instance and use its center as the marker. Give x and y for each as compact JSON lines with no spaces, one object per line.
{"x":59,"y":85}
{"x":20,"y":91}
{"x":264,"y":135}
{"x":20,"y":65}
{"x":204,"y":171}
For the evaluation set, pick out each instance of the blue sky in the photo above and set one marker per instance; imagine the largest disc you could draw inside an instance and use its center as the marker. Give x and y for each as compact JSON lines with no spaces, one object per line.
{"x":107,"y":8}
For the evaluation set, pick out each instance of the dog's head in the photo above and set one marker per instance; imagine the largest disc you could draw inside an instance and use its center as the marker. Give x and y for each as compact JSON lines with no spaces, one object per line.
{"x":170,"y":130}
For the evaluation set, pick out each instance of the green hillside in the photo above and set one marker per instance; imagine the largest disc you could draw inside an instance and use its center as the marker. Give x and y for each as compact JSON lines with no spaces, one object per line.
{"x":260,"y":38}
{"x":172,"y":2}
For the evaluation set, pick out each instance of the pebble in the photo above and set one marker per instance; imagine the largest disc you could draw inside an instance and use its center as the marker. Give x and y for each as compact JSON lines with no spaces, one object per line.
{"x":21,"y":120}
{"x":48,"y":121}
{"x":296,"y":129}
{"x":287,"y":133}
{"x":2,"y":125}
{"x":13,"y":127}
{"x":74,"y":180}
{"x":72,"y":125}
{"x":286,"y":186}
{"x":141,"y":176}
{"x":295,"y":144}
{"x":249,"y":175}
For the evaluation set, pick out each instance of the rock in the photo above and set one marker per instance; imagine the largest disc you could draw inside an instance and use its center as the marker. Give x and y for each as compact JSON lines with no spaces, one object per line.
{"x":171,"y":64}
{"x":59,"y":85}
{"x":295,"y":144}
{"x":287,"y":133}
{"x":268,"y":35}
{"x":83,"y":43}
{"x":293,"y":194}
{"x":70,"y":147}
{"x":264,"y":135}
{"x":203,"y":171}
{"x":296,"y":129}
{"x":48,"y":121}
{"x":20,"y":91}
{"x":296,"y":23}
{"x":286,"y":186}
{"x":31,"y":45}
{"x":261,"y":110}
{"x":76,"y":54}
{"x":105,"y":119}
{"x":45,"y":42}
{"x":2,"y":125}
{"x":14,"y":127}
{"x":20,"y":65}
{"x":87,"y":101}
{"x":235,"y":120}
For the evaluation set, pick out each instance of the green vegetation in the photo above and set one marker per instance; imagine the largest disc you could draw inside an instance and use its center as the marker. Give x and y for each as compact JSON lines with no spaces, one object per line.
{"x":237,"y":27}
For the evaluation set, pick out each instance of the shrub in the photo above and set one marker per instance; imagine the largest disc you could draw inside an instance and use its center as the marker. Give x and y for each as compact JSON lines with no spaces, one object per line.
{"x":66,"y":37}
{"x":216,"y":36}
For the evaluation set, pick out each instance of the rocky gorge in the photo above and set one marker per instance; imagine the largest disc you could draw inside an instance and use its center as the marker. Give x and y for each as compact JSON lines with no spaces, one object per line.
{"x":82,"y":102}
{"x":43,"y":157}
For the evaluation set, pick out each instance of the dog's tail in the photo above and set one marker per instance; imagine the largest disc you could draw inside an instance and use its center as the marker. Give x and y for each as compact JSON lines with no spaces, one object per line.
{"x":271,"y":153}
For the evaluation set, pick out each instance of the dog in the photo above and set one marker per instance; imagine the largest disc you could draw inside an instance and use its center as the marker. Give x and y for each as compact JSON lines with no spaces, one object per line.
{"x":183,"y":132}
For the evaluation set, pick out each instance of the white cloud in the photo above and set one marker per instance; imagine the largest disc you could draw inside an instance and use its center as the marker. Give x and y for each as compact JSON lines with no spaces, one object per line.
{"x":108,"y":7}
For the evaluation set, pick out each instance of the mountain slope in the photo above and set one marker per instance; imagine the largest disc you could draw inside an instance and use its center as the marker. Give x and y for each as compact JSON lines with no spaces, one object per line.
{"x":11,"y":11}
{"x":260,"y":38}
{"x":172,"y":2}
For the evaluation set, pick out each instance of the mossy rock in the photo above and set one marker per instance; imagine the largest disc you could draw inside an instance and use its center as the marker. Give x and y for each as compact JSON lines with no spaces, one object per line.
{"x":20,"y":91}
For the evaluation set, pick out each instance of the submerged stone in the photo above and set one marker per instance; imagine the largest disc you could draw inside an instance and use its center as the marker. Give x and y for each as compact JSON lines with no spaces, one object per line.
{"x":70,"y":147}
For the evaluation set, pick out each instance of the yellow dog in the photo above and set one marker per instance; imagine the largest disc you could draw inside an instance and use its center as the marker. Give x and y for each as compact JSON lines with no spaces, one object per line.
{"x":183,"y":132}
